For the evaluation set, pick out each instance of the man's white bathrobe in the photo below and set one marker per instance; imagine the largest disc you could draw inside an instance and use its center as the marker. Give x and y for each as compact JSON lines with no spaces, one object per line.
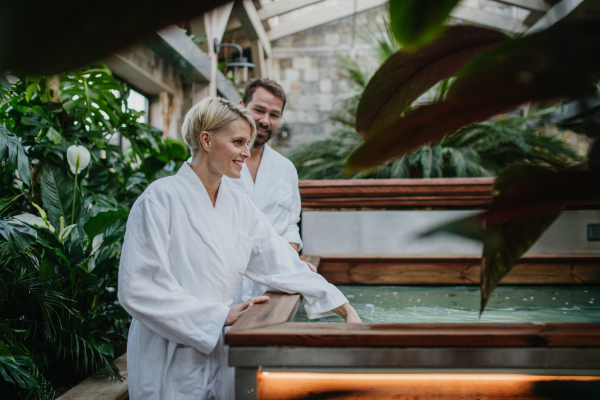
{"x":276,"y":194}
{"x":181,"y":263}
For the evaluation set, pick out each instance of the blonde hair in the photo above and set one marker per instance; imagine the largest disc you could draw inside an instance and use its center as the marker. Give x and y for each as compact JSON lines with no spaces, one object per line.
{"x":212,"y":114}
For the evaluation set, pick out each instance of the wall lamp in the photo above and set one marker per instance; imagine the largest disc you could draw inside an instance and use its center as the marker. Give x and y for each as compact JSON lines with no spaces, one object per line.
{"x":240,"y":64}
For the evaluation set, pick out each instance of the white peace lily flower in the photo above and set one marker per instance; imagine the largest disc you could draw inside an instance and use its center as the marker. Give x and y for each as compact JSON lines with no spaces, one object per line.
{"x":78,"y":158}
{"x":33,"y":220}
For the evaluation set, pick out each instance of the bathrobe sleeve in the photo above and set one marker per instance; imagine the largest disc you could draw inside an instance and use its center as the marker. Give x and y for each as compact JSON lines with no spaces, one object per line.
{"x":150,"y":293}
{"x":276,"y":264}
{"x":292,"y":232}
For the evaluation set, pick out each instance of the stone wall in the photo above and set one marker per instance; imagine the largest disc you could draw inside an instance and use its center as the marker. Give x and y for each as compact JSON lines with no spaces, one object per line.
{"x":307,"y":67}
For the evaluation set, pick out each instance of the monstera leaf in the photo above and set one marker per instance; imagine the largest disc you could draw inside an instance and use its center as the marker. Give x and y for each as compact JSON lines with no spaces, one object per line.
{"x":527,"y":199}
{"x":416,"y":22}
{"x":17,"y":235}
{"x":407,"y":75}
{"x":562,"y":61}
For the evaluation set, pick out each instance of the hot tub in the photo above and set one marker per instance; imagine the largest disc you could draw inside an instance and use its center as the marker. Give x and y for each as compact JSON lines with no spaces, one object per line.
{"x":426,"y":341}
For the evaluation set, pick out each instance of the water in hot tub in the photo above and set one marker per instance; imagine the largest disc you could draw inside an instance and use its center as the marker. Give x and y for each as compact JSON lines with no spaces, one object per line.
{"x":381,"y":304}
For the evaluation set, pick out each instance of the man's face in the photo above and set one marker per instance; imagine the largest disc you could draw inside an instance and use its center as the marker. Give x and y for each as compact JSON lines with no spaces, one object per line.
{"x":266,"y":110}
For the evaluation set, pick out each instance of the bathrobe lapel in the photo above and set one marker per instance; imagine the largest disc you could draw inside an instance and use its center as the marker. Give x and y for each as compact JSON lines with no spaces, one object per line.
{"x":261,"y":190}
{"x":215,"y":219}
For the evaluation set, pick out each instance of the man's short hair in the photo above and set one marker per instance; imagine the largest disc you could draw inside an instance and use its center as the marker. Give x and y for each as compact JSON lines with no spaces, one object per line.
{"x":267,"y":84}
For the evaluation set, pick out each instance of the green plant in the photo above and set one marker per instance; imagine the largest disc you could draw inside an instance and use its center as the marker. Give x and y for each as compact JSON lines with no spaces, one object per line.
{"x":481,"y":149}
{"x":494,"y":74}
{"x":67,"y":190}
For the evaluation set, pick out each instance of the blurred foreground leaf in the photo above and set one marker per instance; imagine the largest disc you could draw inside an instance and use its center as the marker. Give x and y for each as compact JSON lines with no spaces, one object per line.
{"x":405,"y":76}
{"x":527,"y":199}
{"x":46,"y":37}
{"x":416,"y":22}
{"x":562,"y":61}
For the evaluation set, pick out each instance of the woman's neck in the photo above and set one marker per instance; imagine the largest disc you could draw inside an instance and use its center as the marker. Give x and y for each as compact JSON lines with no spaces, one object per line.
{"x":210,"y":180}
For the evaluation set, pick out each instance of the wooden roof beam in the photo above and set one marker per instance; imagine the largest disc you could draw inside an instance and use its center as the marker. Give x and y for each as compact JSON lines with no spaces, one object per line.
{"x":531,"y":5}
{"x":555,"y":14}
{"x":488,"y":19}
{"x":322,"y":16}
{"x":252,"y":24}
{"x":276,"y":8}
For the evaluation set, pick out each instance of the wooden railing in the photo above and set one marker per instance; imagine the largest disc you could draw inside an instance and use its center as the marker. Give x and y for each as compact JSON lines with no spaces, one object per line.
{"x":396,"y":194}
{"x":402,"y":194}
{"x":538,"y":269}
{"x":100,"y":387}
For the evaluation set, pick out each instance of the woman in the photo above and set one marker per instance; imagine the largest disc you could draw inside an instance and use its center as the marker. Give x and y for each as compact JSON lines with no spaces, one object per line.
{"x":189,"y":240}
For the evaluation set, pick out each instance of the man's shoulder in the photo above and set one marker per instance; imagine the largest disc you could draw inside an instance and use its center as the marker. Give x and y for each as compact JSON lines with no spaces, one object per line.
{"x":282,"y":161}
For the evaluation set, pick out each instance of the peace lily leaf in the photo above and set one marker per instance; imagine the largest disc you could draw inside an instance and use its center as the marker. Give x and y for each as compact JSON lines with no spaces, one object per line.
{"x":54,"y":136}
{"x":57,"y":192}
{"x":4,"y":135}
{"x":405,"y":76}
{"x":23,"y":167}
{"x":43,"y":215}
{"x":32,"y":121}
{"x":416,"y":22}
{"x":98,"y":240}
{"x":98,"y":223}
{"x":10,"y":147}
{"x":562,"y":61}
{"x":527,"y":200}
{"x":33,"y":220}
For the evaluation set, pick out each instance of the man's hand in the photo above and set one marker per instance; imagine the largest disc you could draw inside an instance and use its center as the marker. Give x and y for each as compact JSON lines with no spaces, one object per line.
{"x":236,"y":312}
{"x":312,"y":267}
{"x":348,"y":312}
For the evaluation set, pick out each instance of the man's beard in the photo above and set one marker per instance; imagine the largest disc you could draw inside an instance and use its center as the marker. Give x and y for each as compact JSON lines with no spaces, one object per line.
{"x":261,"y":141}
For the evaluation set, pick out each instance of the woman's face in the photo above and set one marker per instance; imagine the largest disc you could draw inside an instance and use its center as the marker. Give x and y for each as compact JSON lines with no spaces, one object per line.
{"x":229,"y":149}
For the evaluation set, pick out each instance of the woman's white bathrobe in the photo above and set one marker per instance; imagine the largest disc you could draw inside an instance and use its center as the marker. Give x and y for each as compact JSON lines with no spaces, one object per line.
{"x":181,"y":263}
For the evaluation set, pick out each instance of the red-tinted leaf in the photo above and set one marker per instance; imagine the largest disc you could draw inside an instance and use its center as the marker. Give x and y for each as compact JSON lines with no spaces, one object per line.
{"x":527,"y":200}
{"x":563,"y":61}
{"x":416,"y":22}
{"x":406,"y":75}
{"x":45,"y":37}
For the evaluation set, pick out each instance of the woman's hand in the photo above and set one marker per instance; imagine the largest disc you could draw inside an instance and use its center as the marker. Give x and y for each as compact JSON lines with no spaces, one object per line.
{"x":236,"y":312}
{"x":348,"y":312}
{"x":311,"y":266}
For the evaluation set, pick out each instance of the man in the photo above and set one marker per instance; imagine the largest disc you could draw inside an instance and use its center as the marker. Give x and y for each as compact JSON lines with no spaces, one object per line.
{"x":268,"y":178}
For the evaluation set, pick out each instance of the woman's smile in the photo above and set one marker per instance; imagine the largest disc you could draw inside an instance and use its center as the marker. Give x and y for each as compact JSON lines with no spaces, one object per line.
{"x":238,"y":163}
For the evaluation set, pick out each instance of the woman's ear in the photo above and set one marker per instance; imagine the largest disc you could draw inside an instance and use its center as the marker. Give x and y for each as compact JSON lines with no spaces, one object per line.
{"x":205,"y":140}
